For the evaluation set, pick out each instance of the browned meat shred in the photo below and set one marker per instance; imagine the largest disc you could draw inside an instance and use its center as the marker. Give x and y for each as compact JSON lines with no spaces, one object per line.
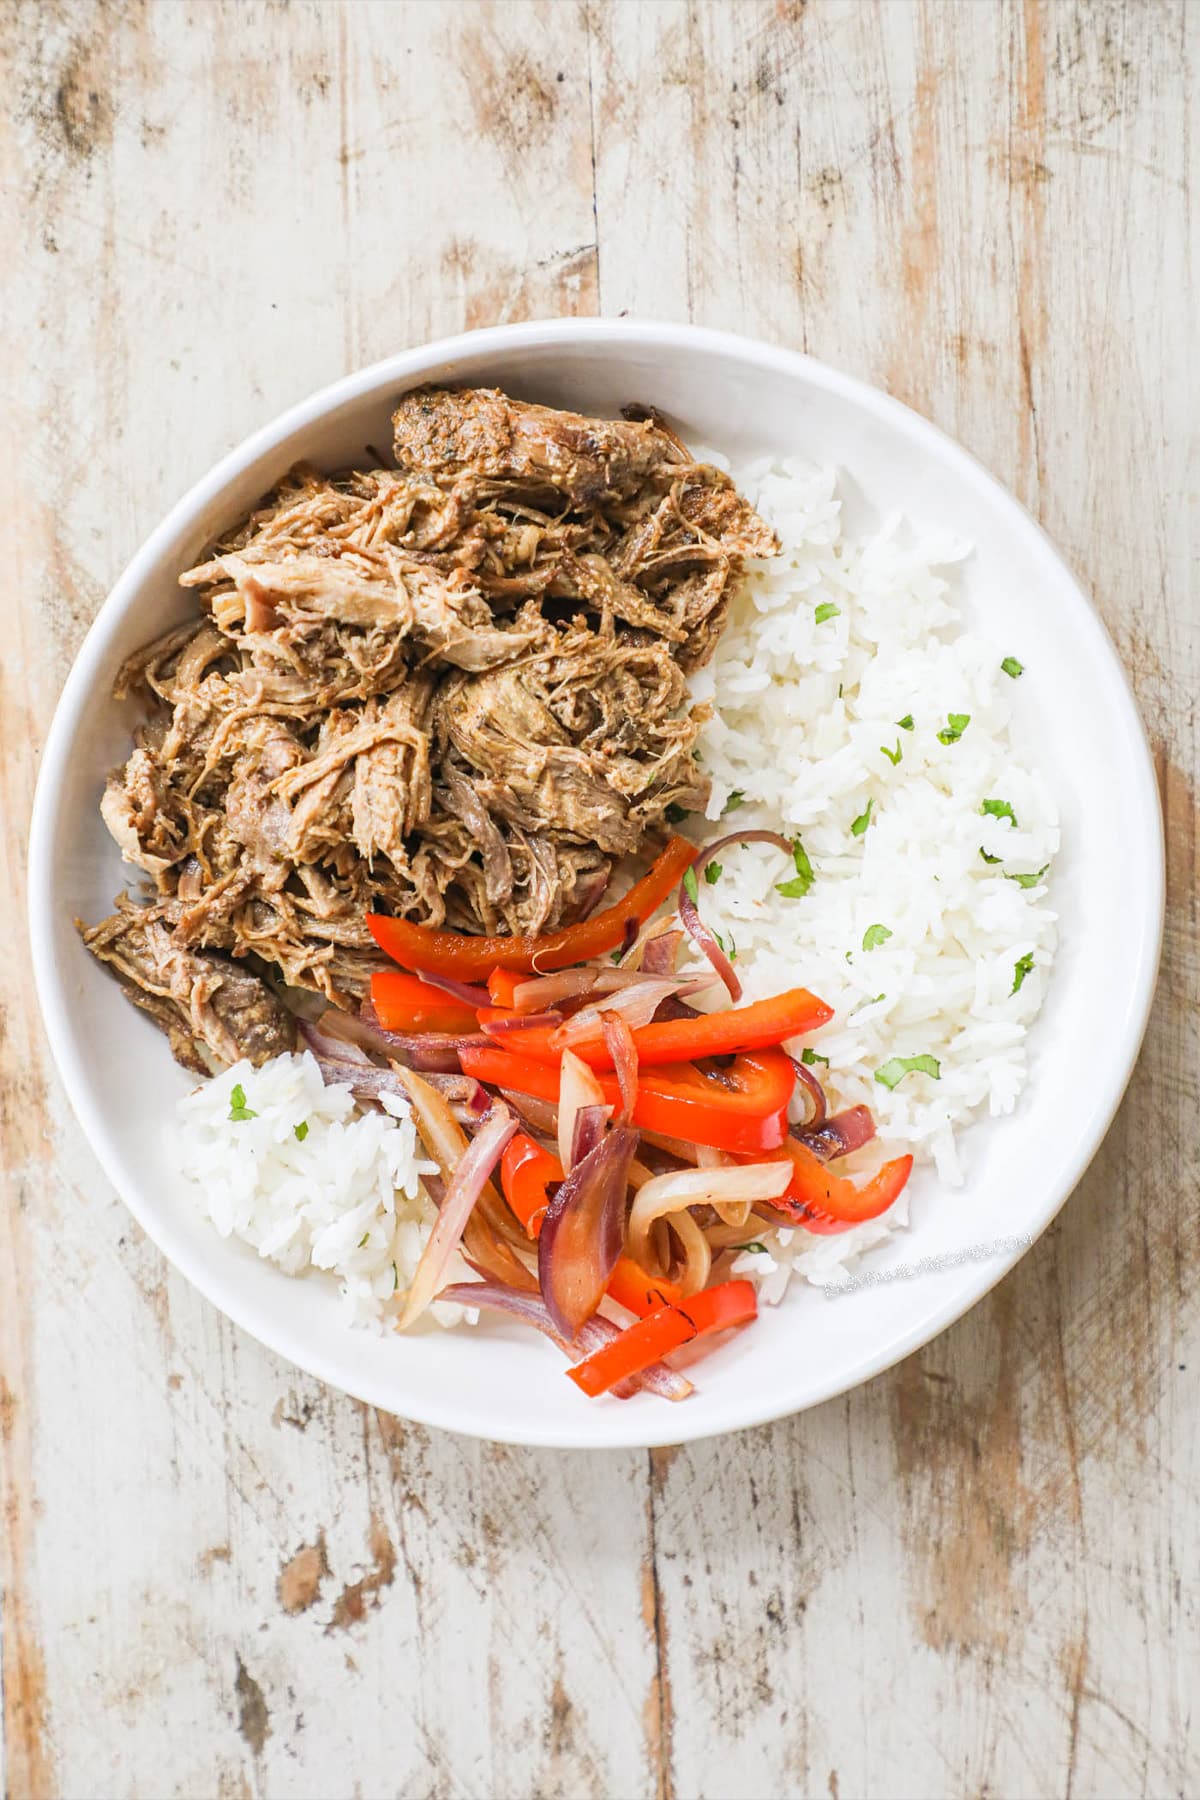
{"x":453,"y":690}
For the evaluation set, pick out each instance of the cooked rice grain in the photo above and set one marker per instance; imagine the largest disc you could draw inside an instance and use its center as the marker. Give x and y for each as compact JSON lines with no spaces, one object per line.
{"x":803,"y":713}
{"x":313,"y":1182}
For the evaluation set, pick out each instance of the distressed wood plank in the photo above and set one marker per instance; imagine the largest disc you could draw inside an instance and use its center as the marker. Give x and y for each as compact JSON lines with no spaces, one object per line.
{"x":959,"y":1579}
{"x":218,"y":1577}
{"x":971,"y":1576}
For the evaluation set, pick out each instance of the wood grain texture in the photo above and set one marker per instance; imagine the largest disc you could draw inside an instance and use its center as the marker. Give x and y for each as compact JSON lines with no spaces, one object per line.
{"x":975,"y":1575}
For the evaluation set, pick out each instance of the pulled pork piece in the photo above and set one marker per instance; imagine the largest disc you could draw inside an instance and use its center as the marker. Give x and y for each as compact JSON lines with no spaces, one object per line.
{"x":481,"y":432}
{"x":455,"y":690}
{"x":203,"y":1002}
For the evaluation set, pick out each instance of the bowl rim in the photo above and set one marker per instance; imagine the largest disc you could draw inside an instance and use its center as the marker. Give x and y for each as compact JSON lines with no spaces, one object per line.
{"x":399,"y":369}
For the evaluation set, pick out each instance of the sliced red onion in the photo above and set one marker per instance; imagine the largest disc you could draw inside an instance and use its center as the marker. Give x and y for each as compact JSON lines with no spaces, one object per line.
{"x":583,"y":1231}
{"x":659,"y":953}
{"x":462,"y":1191}
{"x":423,"y":1050}
{"x":343,"y":1062}
{"x":618,"y":1041}
{"x":329,"y":1044}
{"x":467,"y":1098}
{"x":491,"y":1233}
{"x":689,"y":912}
{"x":440,"y":1054}
{"x":592,"y":1334}
{"x":608,"y":981}
{"x":365,"y":1079}
{"x":520,"y":1022}
{"x":636,"y":1004}
{"x":339,"y":1060}
{"x":486,"y":1247}
{"x":589,"y":1129}
{"x":739,"y":837}
{"x":474,"y":997}
{"x":540,"y":1115}
{"x":838,"y":1136}
{"x":675,"y":1193}
{"x":707,"y":944}
{"x":547,"y":990}
{"x":816,"y":1094}
{"x":675,"y":1008}
{"x":577,"y":1087}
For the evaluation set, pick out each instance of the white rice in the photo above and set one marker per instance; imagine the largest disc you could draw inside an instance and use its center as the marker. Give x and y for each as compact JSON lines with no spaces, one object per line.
{"x":802,"y":714}
{"x":345,"y":1197}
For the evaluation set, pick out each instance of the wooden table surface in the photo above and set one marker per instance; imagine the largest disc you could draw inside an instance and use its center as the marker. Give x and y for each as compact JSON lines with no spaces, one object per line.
{"x":977,"y":1574}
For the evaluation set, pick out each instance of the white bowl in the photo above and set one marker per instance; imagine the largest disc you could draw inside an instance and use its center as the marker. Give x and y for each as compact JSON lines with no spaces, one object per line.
{"x":1076,"y":716}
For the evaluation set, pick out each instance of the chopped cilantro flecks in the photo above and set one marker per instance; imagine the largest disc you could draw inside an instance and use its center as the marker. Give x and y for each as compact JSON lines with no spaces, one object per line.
{"x":894,"y":1071}
{"x":796,"y":890}
{"x":1021,"y":968}
{"x":906,"y":723}
{"x":238,"y":1110}
{"x":615,"y":955}
{"x":729,"y":948}
{"x":690,"y":887}
{"x":1029,"y":881}
{"x":752,"y":1249}
{"x":863,"y":820}
{"x":952,"y":730}
{"x":300,"y":1131}
{"x":736,"y":799}
{"x":840,"y":687}
{"x":986,"y":857}
{"x":809,"y":1057}
{"x":713,"y":872}
{"x":893,"y":756}
{"x":875,"y":935}
{"x":395,"y":1278}
{"x":676,"y":814}
{"x":998,"y":809}
{"x":826,"y":610}
{"x":1012,"y":667}
{"x":363,"y":1240}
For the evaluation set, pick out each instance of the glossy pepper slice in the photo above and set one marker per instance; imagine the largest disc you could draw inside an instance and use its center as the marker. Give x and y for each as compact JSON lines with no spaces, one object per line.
{"x":655,"y":1336}
{"x":631,"y":1287}
{"x":474,"y":958}
{"x":406,"y":1004}
{"x":745,"y":1110}
{"x":526,"y":1174}
{"x":502,"y":985}
{"x":815,"y":1193}
{"x":755,"y":1027}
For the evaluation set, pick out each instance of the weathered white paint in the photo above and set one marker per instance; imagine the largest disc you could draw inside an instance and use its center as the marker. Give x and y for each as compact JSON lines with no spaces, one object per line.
{"x":975,"y":1575}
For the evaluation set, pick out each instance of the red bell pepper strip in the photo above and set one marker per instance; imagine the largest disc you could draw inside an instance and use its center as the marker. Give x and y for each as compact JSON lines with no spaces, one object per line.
{"x":526,"y":1172}
{"x":755,"y":1027}
{"x":655,"y":1336}
{"x":631,"y":1287}
{"x":404,"y":1003}
{"x":502,"y":985}
{"x":474,"y":958}
{"x":815,"y":1193}
{"x":745,"y":1111}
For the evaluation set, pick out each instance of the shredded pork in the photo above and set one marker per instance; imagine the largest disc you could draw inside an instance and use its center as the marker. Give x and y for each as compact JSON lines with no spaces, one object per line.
{"x":452,"y":690}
